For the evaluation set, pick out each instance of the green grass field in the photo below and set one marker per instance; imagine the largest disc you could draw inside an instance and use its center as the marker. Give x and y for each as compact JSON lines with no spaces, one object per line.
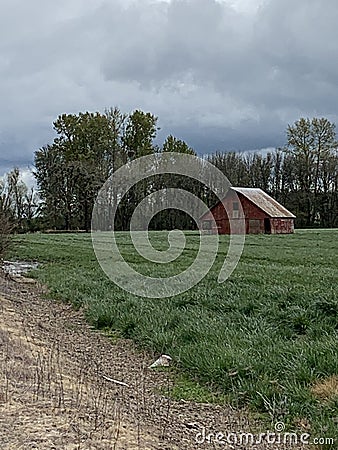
{"x":266,"y":338}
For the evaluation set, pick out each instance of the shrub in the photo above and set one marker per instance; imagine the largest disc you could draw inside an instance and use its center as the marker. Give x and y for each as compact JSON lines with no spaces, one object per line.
{"x":5,"y":234}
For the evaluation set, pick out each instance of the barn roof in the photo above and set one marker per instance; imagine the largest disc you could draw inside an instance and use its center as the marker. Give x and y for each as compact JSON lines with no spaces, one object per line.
{"x":264,"y":202}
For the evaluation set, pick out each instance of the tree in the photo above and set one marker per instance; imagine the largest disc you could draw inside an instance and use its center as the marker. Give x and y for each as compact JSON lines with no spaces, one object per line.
{"x":116,"y":155}
{"x":18,"y":204}
{"x":233,"y":165}
{"x":172,"y":144}
{"x":138,"y":140}
{"x":70,"y":171}
{"x":260,"y":170}
{"x":312,"y":143}
{"x":140,"y":133}
{"x":172,"y":218}
{"x":52,"y":176}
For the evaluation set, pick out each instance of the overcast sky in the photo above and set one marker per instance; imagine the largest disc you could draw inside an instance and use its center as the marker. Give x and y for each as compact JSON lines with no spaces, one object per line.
{"x":219,"y":74}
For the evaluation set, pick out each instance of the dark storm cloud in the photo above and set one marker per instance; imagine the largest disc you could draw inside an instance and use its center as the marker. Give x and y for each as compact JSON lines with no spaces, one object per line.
{"x":218,"y":77}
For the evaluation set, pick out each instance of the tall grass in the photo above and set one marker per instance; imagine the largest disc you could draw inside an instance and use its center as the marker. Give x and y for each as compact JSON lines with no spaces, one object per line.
{"x":263,"y":338}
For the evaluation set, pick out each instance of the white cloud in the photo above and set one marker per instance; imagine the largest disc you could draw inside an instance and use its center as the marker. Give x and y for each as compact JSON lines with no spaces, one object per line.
{"x":245,"y":6}
{"x":28,"y":178}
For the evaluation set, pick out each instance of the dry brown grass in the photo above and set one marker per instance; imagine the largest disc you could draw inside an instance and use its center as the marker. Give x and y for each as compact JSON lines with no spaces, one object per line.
{"x":326,"y":389}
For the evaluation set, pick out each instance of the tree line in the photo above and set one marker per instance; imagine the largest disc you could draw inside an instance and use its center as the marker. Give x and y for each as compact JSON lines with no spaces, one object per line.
{"x":89,"y":147}
{"x":19,"y":205}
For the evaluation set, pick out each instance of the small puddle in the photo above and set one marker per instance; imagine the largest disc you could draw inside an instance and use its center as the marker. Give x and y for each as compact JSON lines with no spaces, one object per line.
{"x":16,"y":268}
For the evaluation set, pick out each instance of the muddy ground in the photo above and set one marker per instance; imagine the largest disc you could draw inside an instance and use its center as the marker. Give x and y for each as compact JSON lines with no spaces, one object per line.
{"x":56,"y":388}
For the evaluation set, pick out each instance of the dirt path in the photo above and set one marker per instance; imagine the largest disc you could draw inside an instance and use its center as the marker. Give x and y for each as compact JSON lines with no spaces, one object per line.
{"x":54,"y":394}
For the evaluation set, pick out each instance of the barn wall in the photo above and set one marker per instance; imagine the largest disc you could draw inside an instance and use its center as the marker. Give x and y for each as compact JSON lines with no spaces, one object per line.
{"x":254,"y":222}
{"x":282,"y":226}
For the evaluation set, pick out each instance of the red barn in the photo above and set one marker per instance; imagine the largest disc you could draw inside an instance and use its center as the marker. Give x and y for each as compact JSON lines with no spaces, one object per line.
{"x":262,"y":214}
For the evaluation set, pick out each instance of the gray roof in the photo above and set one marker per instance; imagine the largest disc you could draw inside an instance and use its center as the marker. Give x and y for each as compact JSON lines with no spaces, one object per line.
{"x":264,"y":202}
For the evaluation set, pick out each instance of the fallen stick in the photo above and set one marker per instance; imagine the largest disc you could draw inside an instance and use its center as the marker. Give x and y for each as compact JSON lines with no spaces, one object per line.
{"x":115,"y":381}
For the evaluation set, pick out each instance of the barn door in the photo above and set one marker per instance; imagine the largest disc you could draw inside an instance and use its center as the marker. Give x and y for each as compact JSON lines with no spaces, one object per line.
{"x":267,"y":226}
